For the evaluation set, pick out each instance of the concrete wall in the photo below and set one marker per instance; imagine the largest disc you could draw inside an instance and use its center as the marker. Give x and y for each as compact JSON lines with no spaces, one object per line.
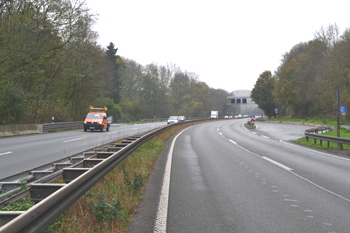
{"x":12,"y":130}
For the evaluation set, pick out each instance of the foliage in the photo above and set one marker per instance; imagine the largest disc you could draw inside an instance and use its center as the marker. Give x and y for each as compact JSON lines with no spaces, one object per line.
{"x":22,"y":204}
{"x":262,"y":93}
{"x":104,"y":211}
{"x":310,"y":74}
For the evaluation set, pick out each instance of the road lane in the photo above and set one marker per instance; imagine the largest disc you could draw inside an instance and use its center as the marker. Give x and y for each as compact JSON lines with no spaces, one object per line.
{"x":221,"y":186}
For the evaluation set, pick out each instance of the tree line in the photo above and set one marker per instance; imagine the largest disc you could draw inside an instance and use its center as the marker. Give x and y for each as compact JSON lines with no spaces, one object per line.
{"x":52,"y":66}
{"x":306,"y":82}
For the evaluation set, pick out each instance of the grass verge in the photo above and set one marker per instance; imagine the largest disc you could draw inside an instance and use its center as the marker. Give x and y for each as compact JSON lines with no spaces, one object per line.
{"x":311,"y":120}
{"x":324,"y":144}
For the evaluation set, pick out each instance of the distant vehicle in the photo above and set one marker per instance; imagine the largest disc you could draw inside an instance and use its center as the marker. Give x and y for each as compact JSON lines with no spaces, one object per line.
{"x":96,"y":119}
{"x":214,"y":114}
{"x":226,"y":117}
{"x":182,"y":118}
{"x":173,"y":119}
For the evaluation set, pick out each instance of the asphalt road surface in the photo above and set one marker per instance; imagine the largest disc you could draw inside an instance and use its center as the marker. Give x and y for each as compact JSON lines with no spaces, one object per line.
{"x":24,"y":153}
{"x":221,"y":177}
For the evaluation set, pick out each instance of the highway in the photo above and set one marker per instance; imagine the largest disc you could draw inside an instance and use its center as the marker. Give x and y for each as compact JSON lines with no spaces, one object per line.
{"x":221,"y":177}
{"x":24,"y":153}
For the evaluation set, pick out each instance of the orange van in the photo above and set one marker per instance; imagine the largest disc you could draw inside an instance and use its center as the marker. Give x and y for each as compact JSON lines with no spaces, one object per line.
{"x":96,"y":119}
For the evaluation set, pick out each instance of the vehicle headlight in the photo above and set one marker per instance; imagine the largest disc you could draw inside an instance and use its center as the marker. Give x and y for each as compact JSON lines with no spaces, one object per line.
{"x":100,"y":123}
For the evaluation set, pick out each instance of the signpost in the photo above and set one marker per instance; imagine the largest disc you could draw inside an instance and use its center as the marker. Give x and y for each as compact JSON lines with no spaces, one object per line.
{"x":338,"y":111}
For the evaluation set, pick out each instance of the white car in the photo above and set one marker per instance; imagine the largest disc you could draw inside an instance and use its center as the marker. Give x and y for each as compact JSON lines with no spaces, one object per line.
{"x":173,"y":119}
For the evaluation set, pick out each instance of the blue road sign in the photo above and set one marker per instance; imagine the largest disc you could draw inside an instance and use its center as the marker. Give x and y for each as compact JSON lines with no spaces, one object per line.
{"x":343,"y":109}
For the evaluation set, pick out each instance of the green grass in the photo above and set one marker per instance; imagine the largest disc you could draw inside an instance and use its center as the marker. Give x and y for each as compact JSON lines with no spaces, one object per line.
{"x":324,"y":144}
{"x":311,"y":120}
{"x":318,"y":121}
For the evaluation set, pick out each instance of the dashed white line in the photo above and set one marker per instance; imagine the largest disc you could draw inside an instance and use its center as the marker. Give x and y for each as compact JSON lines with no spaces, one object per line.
{"x":233,"y":141}
{"x":112,"y":132}
{"x":6,"y":153}
{"x":72,"y":140}
{"x":277,"y":163}
{"x":264,"y":136}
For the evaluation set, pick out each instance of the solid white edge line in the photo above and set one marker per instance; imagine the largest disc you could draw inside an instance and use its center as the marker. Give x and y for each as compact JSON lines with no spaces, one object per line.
{"x":162,"y":213}
{"x":277,"y":163}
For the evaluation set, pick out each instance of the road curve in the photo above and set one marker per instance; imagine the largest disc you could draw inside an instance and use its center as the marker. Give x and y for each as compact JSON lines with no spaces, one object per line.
{"x":225,"y":178}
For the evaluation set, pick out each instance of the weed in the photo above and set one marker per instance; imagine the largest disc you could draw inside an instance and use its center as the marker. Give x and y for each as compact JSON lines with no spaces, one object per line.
{"x":104,"y":211}
{"x":22,"y":204}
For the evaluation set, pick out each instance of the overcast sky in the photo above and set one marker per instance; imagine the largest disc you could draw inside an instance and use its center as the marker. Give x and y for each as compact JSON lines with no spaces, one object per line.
{"x":228,"y":43}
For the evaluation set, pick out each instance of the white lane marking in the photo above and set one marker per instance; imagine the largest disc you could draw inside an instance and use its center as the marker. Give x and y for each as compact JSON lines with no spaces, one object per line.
{"x":162,"y":213}
{"x":112,"y":132}
{"x":254,"y":133}
{"x":264,"y":136}
{"x":6,"y":153}
{"x":291,"y":170}
{"x":277,"y":163}
{"x":72,"y":140}
{"x":233,"y":141}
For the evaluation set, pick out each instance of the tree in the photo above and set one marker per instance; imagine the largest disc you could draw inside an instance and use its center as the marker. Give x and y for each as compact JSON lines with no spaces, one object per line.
{"x":262,"y":93}
{"x":116,"y":68}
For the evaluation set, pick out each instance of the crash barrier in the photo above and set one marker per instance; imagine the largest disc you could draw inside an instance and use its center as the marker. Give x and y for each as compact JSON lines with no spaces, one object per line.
{"x":61,"y":126}
{"x":153,"y":120}
{"x":12,"y":130}
{"x":313,"y":133}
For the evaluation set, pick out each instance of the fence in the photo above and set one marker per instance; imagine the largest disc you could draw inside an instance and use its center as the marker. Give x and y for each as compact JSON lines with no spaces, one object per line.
{"x":313,"y":133}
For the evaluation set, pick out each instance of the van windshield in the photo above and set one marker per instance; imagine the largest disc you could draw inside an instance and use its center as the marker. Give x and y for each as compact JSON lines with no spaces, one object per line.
{"x":94,"y":116}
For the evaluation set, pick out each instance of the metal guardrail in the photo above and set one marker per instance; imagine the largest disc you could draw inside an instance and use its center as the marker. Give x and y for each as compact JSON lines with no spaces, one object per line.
{"x":62,"y":125}
{"x":153,"y":120}
{"x":41,"y":215}
{"x":313,"y":133}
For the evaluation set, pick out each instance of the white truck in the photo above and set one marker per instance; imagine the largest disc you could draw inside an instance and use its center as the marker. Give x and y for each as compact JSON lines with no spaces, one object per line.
{"x":214,"y":114}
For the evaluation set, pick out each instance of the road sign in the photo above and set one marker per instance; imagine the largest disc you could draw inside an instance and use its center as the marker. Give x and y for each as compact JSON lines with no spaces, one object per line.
{"x":276,"y":110}
{"x":343,"y":109}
